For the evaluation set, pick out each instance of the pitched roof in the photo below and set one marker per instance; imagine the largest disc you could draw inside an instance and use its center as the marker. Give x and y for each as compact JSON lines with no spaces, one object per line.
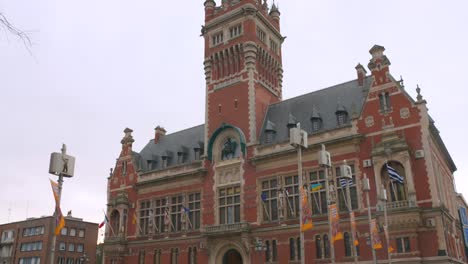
{"x":346,"y":96}
{"x":169,"y":145}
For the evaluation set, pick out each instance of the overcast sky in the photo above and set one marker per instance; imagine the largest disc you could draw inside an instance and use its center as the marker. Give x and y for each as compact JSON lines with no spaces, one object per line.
{"x":98,"y":67}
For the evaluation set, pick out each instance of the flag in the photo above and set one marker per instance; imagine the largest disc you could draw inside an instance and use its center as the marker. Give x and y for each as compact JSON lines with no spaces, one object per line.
{"x":345,"y":181}
{"x":287,"y":192}
{"x":264,"y":197}
{"x":59,"y":219}
{"x":55,"y":190}
{"x":134,"y":218}
{"x":315,"y":186}
{"x":306,"y":212}
{"x":105,"y":221}
{"x":335,"y":221}
{"x":167,"y":220}
{"x":390,"y":249}
{"x":393,"y":174}
{"x":375,"y":235}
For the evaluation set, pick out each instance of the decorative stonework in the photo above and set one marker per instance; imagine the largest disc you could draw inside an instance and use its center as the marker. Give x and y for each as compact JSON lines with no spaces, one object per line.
{"x":404,"y":113}
{"x":229,"y":175}
{"x":369,"y":121}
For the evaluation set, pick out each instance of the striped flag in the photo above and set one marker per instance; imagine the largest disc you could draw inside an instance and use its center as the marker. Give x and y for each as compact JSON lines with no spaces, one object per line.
{"x":393,"y":174}
{"x":315,"y":186}
{"x":105,"y":221}
{"x":345,"y":181}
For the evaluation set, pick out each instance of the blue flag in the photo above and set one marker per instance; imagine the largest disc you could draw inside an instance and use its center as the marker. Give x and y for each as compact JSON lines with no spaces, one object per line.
{"x":264,"y":197}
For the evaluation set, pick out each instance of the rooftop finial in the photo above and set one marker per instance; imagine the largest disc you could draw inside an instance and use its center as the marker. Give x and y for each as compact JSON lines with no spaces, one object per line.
{"x":419,"y":96}
{"x":401,"y":82}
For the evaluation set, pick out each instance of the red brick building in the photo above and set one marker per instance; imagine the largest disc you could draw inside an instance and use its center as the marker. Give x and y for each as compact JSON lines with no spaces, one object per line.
{"x":30,"y":241}
{"x":227,"y":191}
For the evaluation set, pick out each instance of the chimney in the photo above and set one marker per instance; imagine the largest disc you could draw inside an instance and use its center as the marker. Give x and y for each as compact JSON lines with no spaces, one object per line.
{"x":361,"y":74}
{"x":159,"y":132}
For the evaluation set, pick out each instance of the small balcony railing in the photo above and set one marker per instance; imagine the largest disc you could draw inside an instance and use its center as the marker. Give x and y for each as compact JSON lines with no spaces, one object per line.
{"x":397,"y":204}
{"x":226,"y":228}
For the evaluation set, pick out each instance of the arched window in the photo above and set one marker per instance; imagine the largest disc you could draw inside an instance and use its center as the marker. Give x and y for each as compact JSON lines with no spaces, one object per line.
{"x":292,"y":249}
{"x":267,"y":251}
{"x":396,"y":190}
{"x":347,"y":244}
{"x":274,"y":251}
{"x":318,"y":247}
{"x":326,"y":246}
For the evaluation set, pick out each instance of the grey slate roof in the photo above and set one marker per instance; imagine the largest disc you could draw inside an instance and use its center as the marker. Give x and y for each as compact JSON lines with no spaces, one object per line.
{"x":169,"y":145}
{"x":324,"y":103}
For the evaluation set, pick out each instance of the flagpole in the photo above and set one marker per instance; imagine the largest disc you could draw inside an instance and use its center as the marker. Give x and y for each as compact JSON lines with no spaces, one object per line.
{"x":387,"y":239}
{"x":366,"y":189}
{"x":54,"y":238}
{"x":353,"y":231}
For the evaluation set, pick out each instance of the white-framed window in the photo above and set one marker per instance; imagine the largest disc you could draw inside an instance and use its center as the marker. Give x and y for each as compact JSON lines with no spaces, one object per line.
{"x":384,"y":100}
{"x":261,"y":35}
{"x":71,"y":247}
{"x":229,"y":204}
{"x":72,"y":232}
{"x":273,"y":46}
{"x":403,"y":244}
{"x":217,"y":38}
{"x":269,"y":199}
{"x":81,"y":233}
{"x":62,"y":246}
{"x":79,"y":247}
{"x":64,"y":231}
{"x":235,"y":30}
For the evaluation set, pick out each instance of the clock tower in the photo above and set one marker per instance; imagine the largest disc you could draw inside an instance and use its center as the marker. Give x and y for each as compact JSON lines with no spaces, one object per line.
{"x":243,"y":66}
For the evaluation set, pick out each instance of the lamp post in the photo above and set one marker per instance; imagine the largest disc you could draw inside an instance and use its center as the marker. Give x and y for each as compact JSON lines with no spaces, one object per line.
{"x":347,"y":174}
{"x":61,"y":165}
{"x":324,"y":160}
{"x":298,"y":139}
{"x":366,"y":189}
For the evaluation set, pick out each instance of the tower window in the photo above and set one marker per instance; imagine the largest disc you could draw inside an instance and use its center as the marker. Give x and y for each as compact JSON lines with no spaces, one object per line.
{"x":384,"y":99}
{"x":273,"y":46}
{"x":235,"y":30}
{"x":261,"y":35}
{"x":229,"y":205}
{"x":217,"y":38}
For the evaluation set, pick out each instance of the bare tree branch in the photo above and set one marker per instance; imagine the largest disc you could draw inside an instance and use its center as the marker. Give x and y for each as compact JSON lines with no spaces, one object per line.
{"x":20,"y":34}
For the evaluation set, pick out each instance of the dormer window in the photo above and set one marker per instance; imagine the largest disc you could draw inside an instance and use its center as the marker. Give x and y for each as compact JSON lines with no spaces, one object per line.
{"x":292,"y":122}
{"x":235,"y":31}
{"x":164,"y":161}
{"x":270,"y":132}
{"x":342,"y":118}
{"x":316,"y":120}
{"x":197,"y":153}
{"x":384,"y":99}
{"x":316,"y":123}
{"x":217,"y":38}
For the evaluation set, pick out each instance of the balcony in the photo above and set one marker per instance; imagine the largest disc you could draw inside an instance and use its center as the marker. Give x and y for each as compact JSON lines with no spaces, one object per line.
{"x":226,"y":229}
{"x":397,"y":205}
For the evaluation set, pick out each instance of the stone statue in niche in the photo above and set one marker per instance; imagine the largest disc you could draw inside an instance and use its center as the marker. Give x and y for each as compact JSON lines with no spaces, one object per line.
{"x":229,"y":149}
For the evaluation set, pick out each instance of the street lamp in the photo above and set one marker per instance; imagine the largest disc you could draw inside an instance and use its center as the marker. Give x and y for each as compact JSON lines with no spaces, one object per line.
{"x":61,"y":165}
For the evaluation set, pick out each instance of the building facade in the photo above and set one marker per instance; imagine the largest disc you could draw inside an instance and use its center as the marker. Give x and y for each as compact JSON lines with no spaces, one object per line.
{"x":30,"y":241}
{"x":227,"y":191}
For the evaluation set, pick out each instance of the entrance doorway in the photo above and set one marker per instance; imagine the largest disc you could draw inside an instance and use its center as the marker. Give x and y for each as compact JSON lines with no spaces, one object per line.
{"x":232,"y":256}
